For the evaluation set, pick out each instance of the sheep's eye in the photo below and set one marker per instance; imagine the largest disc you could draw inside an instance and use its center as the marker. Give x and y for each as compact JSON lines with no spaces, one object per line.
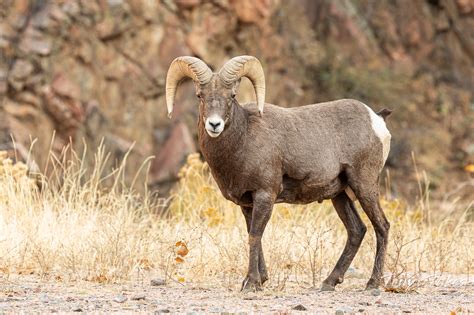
{"x":199,"y":95}
{"x":232,"y":95}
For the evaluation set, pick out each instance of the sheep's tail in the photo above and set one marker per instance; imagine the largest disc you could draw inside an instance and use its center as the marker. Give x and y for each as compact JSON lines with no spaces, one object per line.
{"x":384,"y":113}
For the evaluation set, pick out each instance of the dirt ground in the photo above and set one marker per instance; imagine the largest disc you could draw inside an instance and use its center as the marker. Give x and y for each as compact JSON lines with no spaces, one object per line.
{"x":30,"y":293}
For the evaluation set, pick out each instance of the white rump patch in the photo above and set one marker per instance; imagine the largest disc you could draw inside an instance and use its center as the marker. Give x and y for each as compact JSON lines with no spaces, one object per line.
{"x":380,"y":129}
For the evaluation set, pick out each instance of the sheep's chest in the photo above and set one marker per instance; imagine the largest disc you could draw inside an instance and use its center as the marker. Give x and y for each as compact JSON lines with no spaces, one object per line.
{"x":234,"y":186}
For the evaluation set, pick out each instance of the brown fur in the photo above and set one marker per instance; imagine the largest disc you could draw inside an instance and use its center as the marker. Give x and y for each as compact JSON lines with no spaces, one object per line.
{"x":295,"y":155}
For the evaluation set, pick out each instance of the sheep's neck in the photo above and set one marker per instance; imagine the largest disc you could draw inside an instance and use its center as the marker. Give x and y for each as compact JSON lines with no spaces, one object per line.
{"x":217,"y":151}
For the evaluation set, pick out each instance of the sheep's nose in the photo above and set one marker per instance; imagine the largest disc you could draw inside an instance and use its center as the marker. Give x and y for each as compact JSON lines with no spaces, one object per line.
{"x":215,"y":125}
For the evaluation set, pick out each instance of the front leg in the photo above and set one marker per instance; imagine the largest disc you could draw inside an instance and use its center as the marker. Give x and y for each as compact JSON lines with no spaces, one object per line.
{"x":262,"y":209}
{"x":262,"y":268}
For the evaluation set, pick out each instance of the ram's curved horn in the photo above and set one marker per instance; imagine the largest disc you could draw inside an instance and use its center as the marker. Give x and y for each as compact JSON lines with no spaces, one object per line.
{"x":246,"y":66}
{"x":183,"y":67}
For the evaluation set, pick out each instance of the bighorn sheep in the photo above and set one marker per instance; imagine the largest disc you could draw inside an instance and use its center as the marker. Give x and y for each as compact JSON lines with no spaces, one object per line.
{"x":330,"y":150}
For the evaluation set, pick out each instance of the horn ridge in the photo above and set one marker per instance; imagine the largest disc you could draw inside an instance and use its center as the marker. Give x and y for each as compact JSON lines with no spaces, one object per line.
{"x":245,"y":66}
{"x":180,"y":68}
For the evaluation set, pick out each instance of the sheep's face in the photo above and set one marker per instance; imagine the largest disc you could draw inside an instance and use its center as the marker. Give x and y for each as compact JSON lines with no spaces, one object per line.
{"x":216,"y":103}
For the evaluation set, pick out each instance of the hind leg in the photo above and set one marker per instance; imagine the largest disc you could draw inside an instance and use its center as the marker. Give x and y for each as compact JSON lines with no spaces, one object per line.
{"x":367,"y":193}
{"x":355,"y":234}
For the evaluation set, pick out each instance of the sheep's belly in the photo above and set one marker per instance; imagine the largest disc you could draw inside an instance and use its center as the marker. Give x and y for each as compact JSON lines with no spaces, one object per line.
{"x":305,"y":191}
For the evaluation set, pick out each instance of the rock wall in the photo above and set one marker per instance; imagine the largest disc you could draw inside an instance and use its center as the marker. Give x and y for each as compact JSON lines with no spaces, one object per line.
{"x":95,"y":70}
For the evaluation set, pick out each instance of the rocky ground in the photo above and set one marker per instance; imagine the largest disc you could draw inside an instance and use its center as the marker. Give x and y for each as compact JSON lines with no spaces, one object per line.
{"x":26,"y":293}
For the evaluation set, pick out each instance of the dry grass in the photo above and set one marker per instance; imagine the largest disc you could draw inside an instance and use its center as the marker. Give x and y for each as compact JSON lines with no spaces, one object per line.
{"x":77,"y":226}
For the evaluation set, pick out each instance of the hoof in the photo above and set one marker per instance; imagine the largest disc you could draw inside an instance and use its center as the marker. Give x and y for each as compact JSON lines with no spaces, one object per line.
{"x":263,"y":278}
{"x":327,"y":287}
{"x":372,"y":284}
{"x":328,"y":283}
{"x":250,"y":285}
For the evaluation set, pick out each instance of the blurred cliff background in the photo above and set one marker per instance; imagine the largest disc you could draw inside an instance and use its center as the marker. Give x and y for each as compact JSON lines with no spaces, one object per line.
{"x":95,"y":69}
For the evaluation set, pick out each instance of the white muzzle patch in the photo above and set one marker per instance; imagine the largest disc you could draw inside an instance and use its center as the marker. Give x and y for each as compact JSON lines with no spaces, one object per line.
{"x":214,"y":125}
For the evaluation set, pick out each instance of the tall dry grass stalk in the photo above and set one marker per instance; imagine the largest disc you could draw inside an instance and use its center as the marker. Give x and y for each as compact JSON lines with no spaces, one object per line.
{"x":78,"y":227}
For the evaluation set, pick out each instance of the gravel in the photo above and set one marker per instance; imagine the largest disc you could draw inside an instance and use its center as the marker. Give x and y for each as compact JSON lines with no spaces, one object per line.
{"x":349,"y":297}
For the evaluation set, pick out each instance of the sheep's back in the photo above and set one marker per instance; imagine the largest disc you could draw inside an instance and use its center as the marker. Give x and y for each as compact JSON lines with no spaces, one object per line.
{"x":321,"y":138}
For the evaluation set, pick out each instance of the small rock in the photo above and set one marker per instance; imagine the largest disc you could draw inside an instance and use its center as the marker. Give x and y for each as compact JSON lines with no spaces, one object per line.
{"x":365,"y":303}
{"x":40,"y":20}
{"x":21,"y":69}
{"x":299,"y":307}
{"x":361,"y":310}
{"x":375,"y":292}
{"x":57,"y":14}
{"x":107,"y":28}
{"x":157,"y":282}
{"x":40,"y":46}
{"x":77,"y":308}
{"x":71,"y":8}
{"x":138,"y":297}
{"x":250,"y":296}
{"x":386,"y":304}
{"x":120,"y":298}
{"x":44,"y":298}
{"x":63,"y":86}
{"x":163,"y":311}
{"x":343,"y":310}
{"x":406,"y":311}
